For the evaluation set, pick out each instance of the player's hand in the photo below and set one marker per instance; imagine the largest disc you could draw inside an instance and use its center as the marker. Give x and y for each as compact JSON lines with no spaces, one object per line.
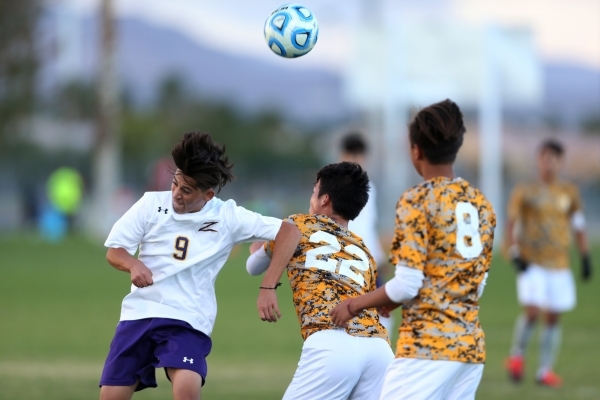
{"x":141,"y":276}
{"x":586,"y":268}
{"x":385,"y":311}
{"x":341,"y":314}
{"x":519,"y":264}
{"x":255,"y":246}
{"x":268,"y":310}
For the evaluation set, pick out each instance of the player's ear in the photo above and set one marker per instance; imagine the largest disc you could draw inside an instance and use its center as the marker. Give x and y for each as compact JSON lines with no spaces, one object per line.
{"x":209,"y":194}
{"x":416,"y":151}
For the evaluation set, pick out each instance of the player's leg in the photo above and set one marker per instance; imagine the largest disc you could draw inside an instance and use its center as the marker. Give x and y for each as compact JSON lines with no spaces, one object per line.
{"x":532,"y":295}
{"x":117,"y":392}
{"x":186,"y":384}
{"x":376,"y":356}
{"x":562,"y":299}
{"x":327,"y":369}
{"x":128,"y":366}
{"x":466,"y":383}
{"x":416,"y":379}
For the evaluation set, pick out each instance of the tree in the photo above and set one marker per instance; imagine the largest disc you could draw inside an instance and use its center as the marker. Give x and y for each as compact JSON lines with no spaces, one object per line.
{"x":18,"y":61}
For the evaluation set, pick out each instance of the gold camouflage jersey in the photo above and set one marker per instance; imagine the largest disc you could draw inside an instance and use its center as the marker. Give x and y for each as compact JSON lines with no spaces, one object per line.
{"x":445,"y":228}
{"x":544,"y":214}
{"x":330,"y":265}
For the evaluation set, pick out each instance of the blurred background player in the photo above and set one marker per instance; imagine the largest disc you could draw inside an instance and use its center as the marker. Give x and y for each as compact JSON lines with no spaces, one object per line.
{"x":330,"y":264}
{"x":544,"y":211}
{"x":442,"y":249}
{"x":354,"y":148}
{"x":184,"y":237}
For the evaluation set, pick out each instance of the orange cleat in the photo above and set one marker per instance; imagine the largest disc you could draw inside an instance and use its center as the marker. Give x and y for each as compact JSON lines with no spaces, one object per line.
{"x":515,"y":366}
{"x":549,"y":379}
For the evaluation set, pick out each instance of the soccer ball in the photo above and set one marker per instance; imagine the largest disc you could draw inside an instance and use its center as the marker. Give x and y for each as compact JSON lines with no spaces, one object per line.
{"x":291,"y":30}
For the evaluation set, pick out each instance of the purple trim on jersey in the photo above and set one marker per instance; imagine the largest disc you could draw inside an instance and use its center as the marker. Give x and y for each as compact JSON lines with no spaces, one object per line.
{"x":140,"y":346}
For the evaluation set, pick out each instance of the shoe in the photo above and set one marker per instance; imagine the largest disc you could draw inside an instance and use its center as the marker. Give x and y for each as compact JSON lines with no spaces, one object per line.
{"x":515,"y":366}
{"x":549,"y":379}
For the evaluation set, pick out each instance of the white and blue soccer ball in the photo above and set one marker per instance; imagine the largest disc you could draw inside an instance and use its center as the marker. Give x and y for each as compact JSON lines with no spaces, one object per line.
{"x":291,"y":30}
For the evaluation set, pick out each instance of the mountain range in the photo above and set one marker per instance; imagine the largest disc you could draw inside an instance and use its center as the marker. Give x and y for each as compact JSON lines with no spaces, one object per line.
{"x":148,"y":53}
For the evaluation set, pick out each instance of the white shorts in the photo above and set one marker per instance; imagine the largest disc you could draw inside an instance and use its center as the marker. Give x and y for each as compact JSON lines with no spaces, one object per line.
{"x":335,"y":365}
{"x":549,"y":289}
{"x":416,"y":379}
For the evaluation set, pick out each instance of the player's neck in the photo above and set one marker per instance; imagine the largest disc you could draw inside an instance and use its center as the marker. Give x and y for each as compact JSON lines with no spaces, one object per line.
{"x":338,"y":219}
{"x":547,"y":179}
{"x":430,"y":171}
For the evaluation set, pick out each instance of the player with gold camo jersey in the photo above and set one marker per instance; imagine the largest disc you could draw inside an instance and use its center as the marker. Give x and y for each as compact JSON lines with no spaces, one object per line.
{"x":330,"y":264}
{"x":442,"y":250}
{"x":544,"y":212}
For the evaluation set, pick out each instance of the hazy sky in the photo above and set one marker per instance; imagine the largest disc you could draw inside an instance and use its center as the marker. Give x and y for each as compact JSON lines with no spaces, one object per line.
{"x":565,"y":30}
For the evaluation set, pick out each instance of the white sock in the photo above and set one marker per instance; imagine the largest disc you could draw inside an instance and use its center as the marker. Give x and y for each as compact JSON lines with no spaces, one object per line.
{"x":549,"y":345}
{"x":521,"y":335}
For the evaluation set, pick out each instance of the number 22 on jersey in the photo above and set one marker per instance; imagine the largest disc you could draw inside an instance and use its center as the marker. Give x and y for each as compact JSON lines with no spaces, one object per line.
{"x":333,"y":264}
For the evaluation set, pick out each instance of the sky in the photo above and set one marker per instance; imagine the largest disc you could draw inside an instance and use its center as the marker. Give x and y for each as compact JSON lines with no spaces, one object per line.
{"x":564,"y":30}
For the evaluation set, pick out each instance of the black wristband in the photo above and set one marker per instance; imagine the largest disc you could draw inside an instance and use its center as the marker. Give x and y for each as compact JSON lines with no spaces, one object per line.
{"x":271,"y":288}
{"x":586,"y":267}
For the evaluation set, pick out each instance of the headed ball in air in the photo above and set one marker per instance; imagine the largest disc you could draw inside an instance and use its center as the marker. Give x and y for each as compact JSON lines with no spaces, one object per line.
{"x":291,"y":30}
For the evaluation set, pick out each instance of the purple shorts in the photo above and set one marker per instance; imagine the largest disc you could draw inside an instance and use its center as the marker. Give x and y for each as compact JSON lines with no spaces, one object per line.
{"x":140,"y":346}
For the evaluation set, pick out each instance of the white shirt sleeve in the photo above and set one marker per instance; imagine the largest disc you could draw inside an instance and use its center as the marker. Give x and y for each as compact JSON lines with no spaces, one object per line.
{"x":246,"y":225}
{"x":482,"y":285}
{"x":128,"y":231}
{"x":258,"y":262}
{"x":405,"y":284}
{"x":578,"y":221}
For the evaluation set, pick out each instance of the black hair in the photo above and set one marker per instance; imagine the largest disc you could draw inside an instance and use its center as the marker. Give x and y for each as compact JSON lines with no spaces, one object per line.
{"x":438,"y":130}
{"x":554,"y":146}
{"x":198,"y":157}
{"x":353,"y":143}
{"x":347,"y":185}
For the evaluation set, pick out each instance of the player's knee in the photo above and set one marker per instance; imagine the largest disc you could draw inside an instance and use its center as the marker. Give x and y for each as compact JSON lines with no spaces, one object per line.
{"x":552,"y":318}
{"x":532,"y":314}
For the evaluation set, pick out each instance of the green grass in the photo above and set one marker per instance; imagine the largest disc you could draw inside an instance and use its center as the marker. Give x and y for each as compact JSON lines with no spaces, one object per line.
{"x":59,"y":305}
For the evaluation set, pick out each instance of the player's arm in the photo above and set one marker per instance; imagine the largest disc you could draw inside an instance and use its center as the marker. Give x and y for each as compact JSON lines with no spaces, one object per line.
{"x":285,"y":244}
{"x":404,"y":286}
{"x":123,"y":241}
{"x":578,"y":224}
{"x":259,"y":260}
{"x":118,"y":257}
{"x":514,"y":209}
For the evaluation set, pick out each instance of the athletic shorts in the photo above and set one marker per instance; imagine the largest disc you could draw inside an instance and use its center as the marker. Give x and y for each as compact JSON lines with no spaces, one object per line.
{"x":548,"y":289}
{"x":335,"y":365}
{"x":140,"y":346}
{"x":418,"y":379}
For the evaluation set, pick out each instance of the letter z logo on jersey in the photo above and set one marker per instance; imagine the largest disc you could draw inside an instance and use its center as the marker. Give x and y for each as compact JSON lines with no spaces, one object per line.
{"x":207,"y":227}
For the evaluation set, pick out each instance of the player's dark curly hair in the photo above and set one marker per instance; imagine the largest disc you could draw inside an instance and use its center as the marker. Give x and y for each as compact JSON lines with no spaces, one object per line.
{"x":554,"y":146}
{"x":438,"y":130}
{"x":347,"y":185}
{"x":354,"y":143}
{"x":198,"y":157}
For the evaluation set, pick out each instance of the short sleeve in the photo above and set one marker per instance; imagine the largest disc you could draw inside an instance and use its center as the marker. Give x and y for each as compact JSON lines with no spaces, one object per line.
{"x":246,"y":225}
{"x":576,"y":203}
{"x":515,"y":203}
{"x":409,"y":246}
{"x":129,"y":230}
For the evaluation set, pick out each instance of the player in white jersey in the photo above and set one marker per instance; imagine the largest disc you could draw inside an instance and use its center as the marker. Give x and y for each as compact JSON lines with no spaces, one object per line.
{"x":184,"y":238}
{"x":354,"y":148}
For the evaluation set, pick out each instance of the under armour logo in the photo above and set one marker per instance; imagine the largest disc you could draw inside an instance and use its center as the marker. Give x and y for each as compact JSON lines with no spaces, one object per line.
{"x":191,"y":360}
{"x":160,"y":209}
{"x":206,"y":227}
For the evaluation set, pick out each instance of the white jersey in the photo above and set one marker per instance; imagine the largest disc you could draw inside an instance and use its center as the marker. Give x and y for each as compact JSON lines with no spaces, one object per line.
{"x":185,"y":252}
{"x":365,"y":226}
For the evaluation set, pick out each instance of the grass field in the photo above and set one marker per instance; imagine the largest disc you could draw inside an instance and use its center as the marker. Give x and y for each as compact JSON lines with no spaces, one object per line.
{"x":59,"y":305}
